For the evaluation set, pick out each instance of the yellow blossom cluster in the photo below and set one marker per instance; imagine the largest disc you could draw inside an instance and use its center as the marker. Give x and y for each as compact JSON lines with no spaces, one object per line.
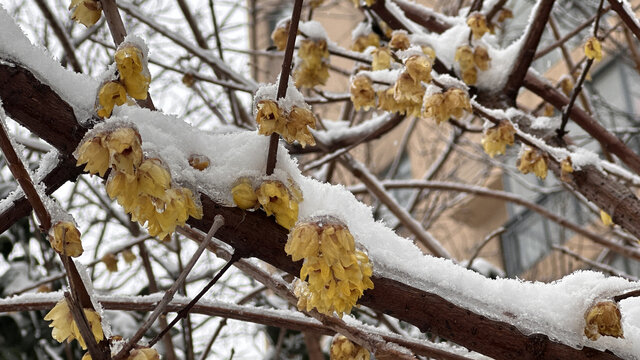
{"x":603,"y":318}
{"x":86,"y":12}
{"x":293,"y":125}
{"x":343,"y":349}
{"x":593,"y":49}
{"x":66,"y":329}
{"x":478,"y":24}
{"x":362,"y":42}
{"x":334,"y":274}
{"x":533,"y":160}
{"x":275,"y":198}
{"x":65,"y":239}
{"x":280,"y":34}
{"x":399,"y":40}
{"x":142,"y":186}
{"x":470,"y":60}
{"x":313,"y":67}
{"x":497,"y":138}
{"x":381,"y":58}
{"x":133,"y":80}
{"x":362,"y":94}
{"x":441,"y":106}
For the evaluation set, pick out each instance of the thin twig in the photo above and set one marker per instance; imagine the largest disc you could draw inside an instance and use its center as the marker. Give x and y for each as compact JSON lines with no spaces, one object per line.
{"x":594,"y":264}
{"x":284,"y":80}
{"x":486,"y":240}
{"x":168,"y":295}
{"x":83,"y":326}
{"x":574,"y":94}
{"x":62,"y":36}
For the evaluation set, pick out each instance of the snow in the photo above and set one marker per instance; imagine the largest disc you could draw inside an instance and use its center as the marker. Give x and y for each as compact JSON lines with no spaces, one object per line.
{"x":362,"y":29}
{"x":313,"y":30}
{"x":292,"y":98}
{"x":71,"y":86}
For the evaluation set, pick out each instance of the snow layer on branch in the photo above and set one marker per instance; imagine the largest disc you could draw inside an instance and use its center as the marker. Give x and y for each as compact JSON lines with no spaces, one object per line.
{"x":313,"y":30}
{"x":77,"y":89}
{"x":555,"y":309}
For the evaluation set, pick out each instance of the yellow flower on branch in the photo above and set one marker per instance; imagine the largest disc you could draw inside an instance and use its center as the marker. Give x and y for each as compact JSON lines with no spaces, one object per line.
{"x":603,"y":318}
{"x":125,"y":149}
{"x":65,"y":239}
{"x":362,"y":94}
{"x":243,"y":194}
{"x":593,"y":49}
{"x":428,"y":50}
{"x":111,"y":94}
{"x":406,"y":89}
{"x":110,"y":261}
{"x":336,"y":274}
{"x":128,"y":256}
{"x":464,"y":57}
{"x":419,"y":68}
{"x":143,"y":354}
{"x":532,"y":160}
{"x":504,"y":14}
{"x":313,"y":68}
{"x":280,"y":35}
{"x":434,"y":108}
{"x":299,"y":120}
{"x":566,"y":168}
{"x":478,"y":24}
{"x":497,"y":138}
{"x":606,"y":218}
{"x":343,"y":349}
{"x":276,"y":199}
{"x":175,"y":207}
{"x":86,"y":12}
{"x":399,"y":40}
{"x":133,"y":71}
{"x":153,"y":178}
{"x":481,"y":58}
{"x":65,"y":328}
{"x":270,"y":118}
{"x":124,"y":188}
{"x":381,"y":59}
{"x":364,"y":41}
{"x":456,"y":101}
{"x":94,"y":154}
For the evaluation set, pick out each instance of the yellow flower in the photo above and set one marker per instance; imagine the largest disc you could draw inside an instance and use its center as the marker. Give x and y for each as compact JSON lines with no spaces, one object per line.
{"x":434,"y":108}
{"x":566,"y":84}
{"x":65,"y":328}
{"x":481,"y":58}
{"x":470,"y":76}
{"x":153,"y":178}
{"x":428,"y":50}
{"x":381,"y":58}
{"x":65,"y":239}
{"x":124,"y":188}
{"x":362,"y":94}
{"x":369,"y":3}
{"x":243,"y":195}
{"x":456,"y":101}
{"x":566,"y":168}
{"x":549,"y":110}
{"x":405,"y":89}
{"x":199,"y":162}
{"x":133,"y":72}
{"x":419,"y":68}
{"x":125,"y":149}
{"x":497,"y":138}
{"x":336,"y":273}
{"x":386,"y":101}
{"x":603,"y":318}
{"x":606,"y":218}
{"x":504,"y":14}
{"x":111,"y":94}
{"x":175,"y":208}
{"x":298,"y":123}
{"x":86,"y":12}
{"x":270,"y":118}
{"x":129,"y":256}
{"x":363,"y":42}
{"x":277,"y":200}
{"x":110,"y":261}
{"x":313,"y":67}
{"x":280,"y":35}
{"x":143,"y":354}
{"x":464,"y":56}
{"x":343,"y":349}
{"x":478,"y":24}
{"x":93,"y":153}
{"x":533,"y":160}
{"x":399,"y":40}
{"x":593,"y":49}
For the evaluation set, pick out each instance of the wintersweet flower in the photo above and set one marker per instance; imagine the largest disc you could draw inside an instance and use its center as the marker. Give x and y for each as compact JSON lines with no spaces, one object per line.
{"x":153,"y":178}
{"x":606,"y":218}
{"x":94,"y":154}
{"x":362,"y":94}
{"x":124,"y":188}
{"x":143,"y":354}
{"x":481,"y":58}
{"x":364,"y":41}
{"x":497,"y":138}
{"x":125,"y":149}
{"x":110,"y":261}
{"x":65,"y":328}
{"x":419,"y":68}
{"x":566,"y":84}
{"x":128,"y":256}
{"x":313,"y":68}
{"x":280,"y":35}
{"x":566,"y":168}
{"x":65,"y":239}
{"x":243,"y":195}
{"x":270,"y":118}
{"x":399,"y":40}
{"x":199,"y":162}
{"x":386,"y":101}
{"x":504,"y":14}
{"x":434,"y":108}
{"x":343,"y":349}
{"x":533,"y":160}
{"x":86,"y":12}
{"x":336,"y":274}
{"x":175,"y":208}
{"x":276,"y":199}
{"x":299,"y":120}
{"x":111,"y":94}
{"x":381,"y":58}
{"x":428,"y":50}
{"x":456,"y":101}
{"x":593,"y":49}
{"x":603,"y":318}
{"x":406,"y":89}
{"x":478,"y":24}
{"x":133,"y":71}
